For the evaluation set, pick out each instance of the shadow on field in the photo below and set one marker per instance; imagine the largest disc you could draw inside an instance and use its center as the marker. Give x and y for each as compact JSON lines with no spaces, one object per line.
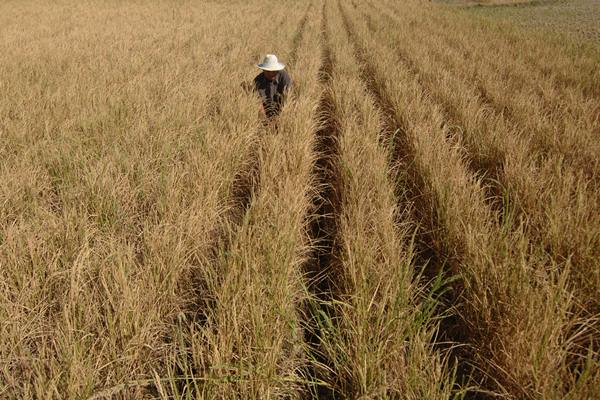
{"x":323,"y":264}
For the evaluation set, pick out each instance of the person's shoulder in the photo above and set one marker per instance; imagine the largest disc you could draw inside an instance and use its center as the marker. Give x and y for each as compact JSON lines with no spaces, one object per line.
{"x":260,"y":82}
{"x":286,"y":77}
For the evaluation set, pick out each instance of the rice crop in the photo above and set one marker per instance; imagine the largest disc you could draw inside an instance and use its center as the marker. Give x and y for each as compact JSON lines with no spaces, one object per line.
{"x":422,"y":220}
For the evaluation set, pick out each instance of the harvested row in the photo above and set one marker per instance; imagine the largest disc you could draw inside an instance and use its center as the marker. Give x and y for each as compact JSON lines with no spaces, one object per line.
{"x":506,"y":305}
{"x":540,"y":188}
{"x":251,"y":345}
{"x":112,"y":184}
{"x":376,"y":341}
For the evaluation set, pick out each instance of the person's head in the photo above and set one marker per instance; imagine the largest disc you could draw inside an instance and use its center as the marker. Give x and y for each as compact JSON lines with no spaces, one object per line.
{"x":270,"y":75}
{"x":270,"y":66}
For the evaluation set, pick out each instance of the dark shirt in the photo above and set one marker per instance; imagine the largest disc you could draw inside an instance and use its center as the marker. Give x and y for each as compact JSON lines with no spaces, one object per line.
{"x":272,"y":92}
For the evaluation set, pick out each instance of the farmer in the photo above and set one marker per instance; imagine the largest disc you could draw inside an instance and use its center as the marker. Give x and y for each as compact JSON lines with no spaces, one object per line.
{"x":272,"y":85}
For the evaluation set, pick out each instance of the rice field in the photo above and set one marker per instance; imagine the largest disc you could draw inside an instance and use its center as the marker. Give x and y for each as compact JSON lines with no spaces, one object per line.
{"x":577,"y":19}
{"x":421,"y":222}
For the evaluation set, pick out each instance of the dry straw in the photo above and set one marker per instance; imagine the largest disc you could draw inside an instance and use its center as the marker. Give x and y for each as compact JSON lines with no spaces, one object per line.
{"x":425,"y":201}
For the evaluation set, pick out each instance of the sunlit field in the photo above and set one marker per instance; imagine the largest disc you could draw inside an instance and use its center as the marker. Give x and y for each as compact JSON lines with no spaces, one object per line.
{"x":422,"y":221}
{"x":579,"y":19}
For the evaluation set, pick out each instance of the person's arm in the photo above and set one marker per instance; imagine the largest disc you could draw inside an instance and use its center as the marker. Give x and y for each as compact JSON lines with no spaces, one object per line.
{"x":288,"y":82}
{"x":261,"y":108}
{"x":287,"y":86}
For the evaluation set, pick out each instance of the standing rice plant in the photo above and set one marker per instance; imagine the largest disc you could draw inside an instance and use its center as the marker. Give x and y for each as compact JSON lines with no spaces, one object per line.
{"x":378,"y":340}
{"x":503,"y":276}
{"x":251,"y":345}
{"x":117,"y":164}
{"x":552,"y":193}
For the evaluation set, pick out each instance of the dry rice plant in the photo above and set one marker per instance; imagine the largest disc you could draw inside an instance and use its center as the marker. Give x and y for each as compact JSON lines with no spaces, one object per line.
{"x":374,"y":333}
{"x":251,"y":345}
{"x":422,"y":220}
{"x":504,"y":275}
{"x":557,"y":194}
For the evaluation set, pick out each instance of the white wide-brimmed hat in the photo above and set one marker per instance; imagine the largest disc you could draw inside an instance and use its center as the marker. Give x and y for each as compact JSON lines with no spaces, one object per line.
{"x":270,"y":63}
